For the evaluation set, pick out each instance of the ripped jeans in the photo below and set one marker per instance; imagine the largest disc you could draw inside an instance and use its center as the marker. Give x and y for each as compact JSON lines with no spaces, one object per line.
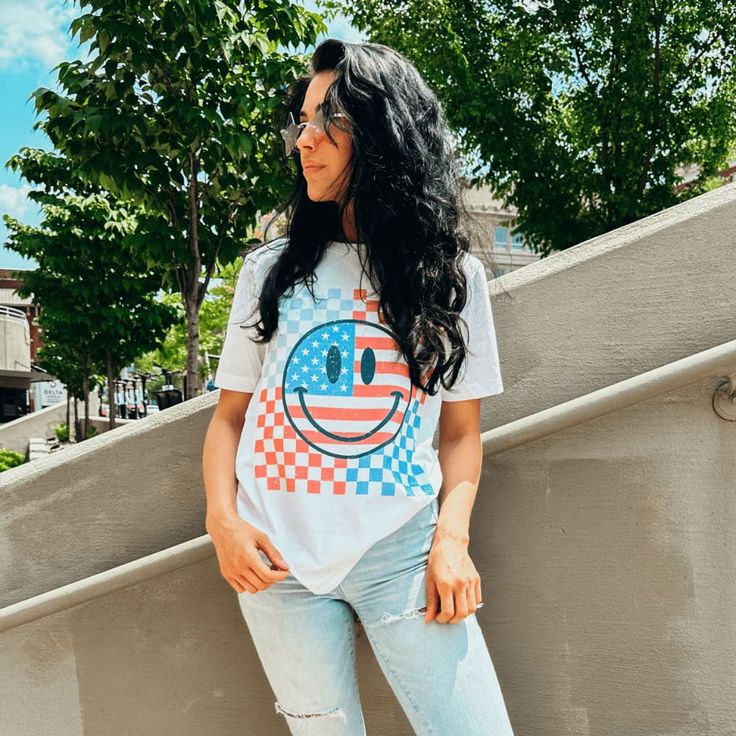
{"x":441,"y":673}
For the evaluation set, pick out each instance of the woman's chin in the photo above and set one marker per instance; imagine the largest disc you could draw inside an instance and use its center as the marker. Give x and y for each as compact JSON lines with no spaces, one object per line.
{"x":317,"y":194}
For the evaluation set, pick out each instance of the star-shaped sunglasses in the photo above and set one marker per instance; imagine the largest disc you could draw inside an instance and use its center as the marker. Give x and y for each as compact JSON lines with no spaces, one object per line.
{"x":293,"y":130}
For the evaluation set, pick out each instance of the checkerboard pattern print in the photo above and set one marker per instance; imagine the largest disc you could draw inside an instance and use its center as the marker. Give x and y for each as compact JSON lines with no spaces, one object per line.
{"x":338,"y":413}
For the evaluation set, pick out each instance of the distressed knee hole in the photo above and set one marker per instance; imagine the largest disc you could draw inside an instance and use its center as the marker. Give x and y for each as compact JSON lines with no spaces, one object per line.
{"x":334,"y":712}
{"x":388,"y":618}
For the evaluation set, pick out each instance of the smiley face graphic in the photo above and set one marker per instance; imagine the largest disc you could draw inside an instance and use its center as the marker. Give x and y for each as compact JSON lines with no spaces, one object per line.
{"x":346,"y":387}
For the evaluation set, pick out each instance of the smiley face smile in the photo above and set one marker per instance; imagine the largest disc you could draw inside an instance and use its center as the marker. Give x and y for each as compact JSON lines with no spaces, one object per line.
{"x":359,"y":438}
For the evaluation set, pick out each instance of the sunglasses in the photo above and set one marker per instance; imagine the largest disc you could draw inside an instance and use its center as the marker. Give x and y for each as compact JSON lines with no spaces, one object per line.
{"x":293,"y":130}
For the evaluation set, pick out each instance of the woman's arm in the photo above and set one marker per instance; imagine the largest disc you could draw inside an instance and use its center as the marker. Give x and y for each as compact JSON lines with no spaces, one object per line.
{"x":461,"y":456}
{"x":237,"y":542}
{"x":453,"y":583}
{"x":218,"y":456}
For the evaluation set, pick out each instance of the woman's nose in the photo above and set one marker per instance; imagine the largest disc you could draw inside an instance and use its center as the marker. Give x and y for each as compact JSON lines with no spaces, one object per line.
{"x":308,"y":137}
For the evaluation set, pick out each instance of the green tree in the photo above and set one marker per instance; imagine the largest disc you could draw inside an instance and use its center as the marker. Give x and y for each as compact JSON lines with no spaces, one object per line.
{"x":213,"y":317}
{"x":72,"y":365}
{"x":179,"y":110}
{"x":577,"y":111}
{"x":95,"y":290}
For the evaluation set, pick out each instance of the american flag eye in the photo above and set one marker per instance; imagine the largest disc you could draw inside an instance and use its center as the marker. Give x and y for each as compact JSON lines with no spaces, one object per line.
{"x":368,"y":365}
{"x":333,"y":363}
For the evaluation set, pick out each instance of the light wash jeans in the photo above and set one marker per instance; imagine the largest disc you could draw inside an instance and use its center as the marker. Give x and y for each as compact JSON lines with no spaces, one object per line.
{"x":441,"y":673}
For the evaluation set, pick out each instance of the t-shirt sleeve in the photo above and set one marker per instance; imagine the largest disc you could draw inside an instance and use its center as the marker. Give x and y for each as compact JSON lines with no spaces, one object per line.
{"x":480,"y":374}
{"x":241,"y":359}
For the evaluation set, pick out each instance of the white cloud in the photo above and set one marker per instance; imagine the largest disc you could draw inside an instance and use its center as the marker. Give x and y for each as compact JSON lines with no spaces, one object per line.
{"x":14,"y":200}
{"x":340,"y":28}
{"x":36,"y":32}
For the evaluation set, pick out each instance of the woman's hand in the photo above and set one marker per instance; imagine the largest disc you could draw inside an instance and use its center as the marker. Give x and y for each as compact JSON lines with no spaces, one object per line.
{"x":237,"y":544}
{"x":453,"y":583}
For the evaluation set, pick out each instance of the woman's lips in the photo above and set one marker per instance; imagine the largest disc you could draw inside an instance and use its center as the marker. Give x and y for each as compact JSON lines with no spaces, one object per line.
{"x":311,"y":169}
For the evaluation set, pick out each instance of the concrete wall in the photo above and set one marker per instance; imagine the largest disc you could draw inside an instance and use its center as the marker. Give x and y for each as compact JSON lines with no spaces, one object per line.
{"x":605,"y":550}
{"x":15,"y":340}
{"x":168,"y":657}
{"x":108,"y":500}
{"x":608,"y":559}
{"x":15,"y":435}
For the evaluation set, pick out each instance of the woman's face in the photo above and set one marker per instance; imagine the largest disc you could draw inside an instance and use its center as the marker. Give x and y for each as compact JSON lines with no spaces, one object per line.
{"x":324,"y":163}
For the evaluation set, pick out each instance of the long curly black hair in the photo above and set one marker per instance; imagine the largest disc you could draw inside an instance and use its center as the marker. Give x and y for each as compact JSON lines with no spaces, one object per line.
{"x":405,"y":182}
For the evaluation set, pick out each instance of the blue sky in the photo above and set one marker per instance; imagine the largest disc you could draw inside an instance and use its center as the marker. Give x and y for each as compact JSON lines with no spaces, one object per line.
{"x":35,"y":38}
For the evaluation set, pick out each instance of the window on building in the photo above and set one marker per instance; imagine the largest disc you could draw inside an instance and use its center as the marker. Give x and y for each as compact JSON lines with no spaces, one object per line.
{"x":517,"y":241}
{"x":501,"y":237}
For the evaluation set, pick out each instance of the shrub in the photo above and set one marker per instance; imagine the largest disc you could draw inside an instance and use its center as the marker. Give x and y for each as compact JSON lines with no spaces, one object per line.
{"x":62,"y":432}
{"x":9,"y":459}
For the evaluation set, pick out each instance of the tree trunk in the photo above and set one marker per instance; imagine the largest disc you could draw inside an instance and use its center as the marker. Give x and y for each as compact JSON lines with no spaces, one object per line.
{"x":192,"y":287}
{"x":85,"y":388}
{"x":112,"y":406}
{"x":76,"y":421}
{"x":192,"y":383}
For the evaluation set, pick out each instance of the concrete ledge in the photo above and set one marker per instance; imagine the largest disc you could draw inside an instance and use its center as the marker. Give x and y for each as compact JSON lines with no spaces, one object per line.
{"x":109,"y":500}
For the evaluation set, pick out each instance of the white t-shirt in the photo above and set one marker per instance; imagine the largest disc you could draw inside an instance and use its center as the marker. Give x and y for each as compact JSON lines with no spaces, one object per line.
{"x":336,"y":449}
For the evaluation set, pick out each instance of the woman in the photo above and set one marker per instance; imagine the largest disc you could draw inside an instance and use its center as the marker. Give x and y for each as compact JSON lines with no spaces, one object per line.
{"x":372,"y":324}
